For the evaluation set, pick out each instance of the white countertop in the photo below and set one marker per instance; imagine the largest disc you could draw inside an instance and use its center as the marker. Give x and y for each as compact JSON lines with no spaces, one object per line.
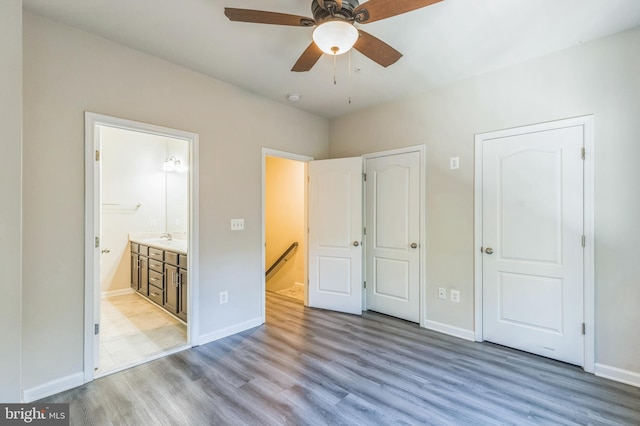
{"x":178,"y":245}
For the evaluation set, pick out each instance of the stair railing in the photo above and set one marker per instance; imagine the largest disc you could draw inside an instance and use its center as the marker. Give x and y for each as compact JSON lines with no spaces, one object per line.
{"x":281,"y":259}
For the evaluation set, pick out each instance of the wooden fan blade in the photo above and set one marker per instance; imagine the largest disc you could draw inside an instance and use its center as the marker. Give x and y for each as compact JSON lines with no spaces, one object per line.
{"x":374,"y":10}
{"x":376,"y":49}
{"x":264,"y":17}
{"x":308,"y":59}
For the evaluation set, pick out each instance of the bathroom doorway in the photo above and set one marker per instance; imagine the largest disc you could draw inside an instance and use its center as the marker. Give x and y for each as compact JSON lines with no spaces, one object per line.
{"x":141,"y":277}
{"x":285,"y":224}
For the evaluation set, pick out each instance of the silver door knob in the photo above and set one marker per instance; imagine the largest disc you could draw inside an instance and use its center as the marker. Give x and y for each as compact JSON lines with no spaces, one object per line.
{"x":356,"y":243}
{"x":414,"y":245}
{"x":488,"y":250}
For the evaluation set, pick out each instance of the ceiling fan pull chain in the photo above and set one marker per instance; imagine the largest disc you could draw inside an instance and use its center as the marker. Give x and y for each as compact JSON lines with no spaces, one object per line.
{"x":334,"y":69}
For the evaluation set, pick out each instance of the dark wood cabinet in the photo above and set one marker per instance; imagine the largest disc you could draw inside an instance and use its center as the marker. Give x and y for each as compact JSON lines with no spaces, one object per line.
{"x":161,"y":276}
{"x":139,"y":268}
{"x":171,"y":290}
{"x":135,"y":270}
{"x":183,"y":281}
{"x":144,"y":275}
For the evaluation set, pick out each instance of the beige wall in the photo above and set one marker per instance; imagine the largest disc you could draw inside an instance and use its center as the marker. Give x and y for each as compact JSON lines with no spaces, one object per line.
{"x":67,"y":72}
{"x":600,"y":78}
{"x":10,"y":194}
{"x":284,"y":220}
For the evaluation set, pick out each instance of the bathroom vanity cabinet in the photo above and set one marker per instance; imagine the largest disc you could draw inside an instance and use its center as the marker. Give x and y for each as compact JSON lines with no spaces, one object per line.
{"x":139,"y":268}
{"x":161,"y":276}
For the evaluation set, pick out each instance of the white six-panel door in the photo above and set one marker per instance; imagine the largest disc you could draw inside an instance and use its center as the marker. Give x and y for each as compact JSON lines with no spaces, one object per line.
{"x":532,"y":227}
{"x":393,"y":235}
{"x":335,"y":234}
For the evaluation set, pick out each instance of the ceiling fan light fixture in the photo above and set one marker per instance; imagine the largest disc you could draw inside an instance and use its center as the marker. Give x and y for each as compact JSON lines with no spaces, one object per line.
{"x":335,"y":37}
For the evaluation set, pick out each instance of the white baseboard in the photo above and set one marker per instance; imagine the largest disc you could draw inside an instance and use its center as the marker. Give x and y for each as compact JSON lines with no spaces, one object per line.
{"x":53,"y":387}
{"x":234,"y":329}
{"x":450,"y":330}
{"x":619,"y":375}
{"x":120,"y":292}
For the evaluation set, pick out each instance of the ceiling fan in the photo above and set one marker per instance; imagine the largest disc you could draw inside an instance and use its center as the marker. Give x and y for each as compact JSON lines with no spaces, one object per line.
{"x":335,"y":32}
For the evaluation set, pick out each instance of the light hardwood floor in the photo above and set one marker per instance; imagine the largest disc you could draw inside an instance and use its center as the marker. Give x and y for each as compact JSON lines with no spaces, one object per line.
{"x":314,"y":367}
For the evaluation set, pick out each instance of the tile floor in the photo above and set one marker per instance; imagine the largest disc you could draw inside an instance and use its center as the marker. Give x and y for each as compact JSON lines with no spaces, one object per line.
{"x":133,"y":329}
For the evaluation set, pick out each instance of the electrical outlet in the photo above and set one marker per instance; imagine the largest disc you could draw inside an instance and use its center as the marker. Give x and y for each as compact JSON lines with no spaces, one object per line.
{"x":442,"y":293}
{"x":237,"y":224}
{"x":455,"y":296}
{"x":454,"y":163}
{"x":224,"y":297}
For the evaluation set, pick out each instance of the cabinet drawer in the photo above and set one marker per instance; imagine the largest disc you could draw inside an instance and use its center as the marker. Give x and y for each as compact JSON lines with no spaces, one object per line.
{"x":155,"y":253}
{"x":182,"y":261}
{"x":143,"y":250}
{"x":156,"y":294}
{"x":156,"y":279}
{"x":171,"y":257}
{"x":156,"y":266}
{"x":135,"y":247}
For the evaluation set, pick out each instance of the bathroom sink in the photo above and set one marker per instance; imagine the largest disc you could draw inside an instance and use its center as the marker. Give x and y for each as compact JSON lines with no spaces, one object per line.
{"x":180,"y":245}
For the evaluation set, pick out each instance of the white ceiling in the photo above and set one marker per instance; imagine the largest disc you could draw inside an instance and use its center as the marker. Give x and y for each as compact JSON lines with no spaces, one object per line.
{"x":448,"y":41}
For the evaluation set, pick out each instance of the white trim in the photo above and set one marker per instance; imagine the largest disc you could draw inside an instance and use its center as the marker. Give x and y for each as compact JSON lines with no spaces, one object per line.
{"x":53,"y":387}
{"x":618,"y":374}
{"x":589,"y":249}
{"x":422,"y":149}
{"x":92,"y":212}
{"x":144,"y":361}
{"x":267,"y":152}
{"x":477,"y":239}
{"x":450,"y":330}
{"x":114,"y":293}
{"x":234,"y":329}
{"x":587,"y":122}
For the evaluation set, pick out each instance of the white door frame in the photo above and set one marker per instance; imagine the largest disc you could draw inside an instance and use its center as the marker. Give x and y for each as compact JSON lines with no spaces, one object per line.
{"x":423,"y":223}
{"x":587,"y":122}
{"x":92,"y":213}
{"x":267,"y":152}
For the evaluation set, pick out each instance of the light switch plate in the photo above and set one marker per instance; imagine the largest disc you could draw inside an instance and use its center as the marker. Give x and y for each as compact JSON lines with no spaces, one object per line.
{"x":455,"y":296}
{"x":454,"y":163}
{"x":237,"y":224}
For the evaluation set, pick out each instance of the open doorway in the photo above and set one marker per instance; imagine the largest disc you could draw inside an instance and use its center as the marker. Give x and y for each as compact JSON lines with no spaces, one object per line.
{"x":140,"y":243}
{"x":285,"y":224}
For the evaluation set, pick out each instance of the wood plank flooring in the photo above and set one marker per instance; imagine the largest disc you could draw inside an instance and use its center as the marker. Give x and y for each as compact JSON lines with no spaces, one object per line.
{"x":314,"y":367}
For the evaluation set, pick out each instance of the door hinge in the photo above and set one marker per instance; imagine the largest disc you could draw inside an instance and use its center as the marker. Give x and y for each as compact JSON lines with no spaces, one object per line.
{"x":584,"y":329}
{"x":97,"y":155}
{"x":365,"y":284}
{"x":97,"y":242}
{"x":364,"y":230}
{"x":96,"y":328}
{"x":583,"y":153}
{"x":364,"y":177}
{"x":584,"y":241}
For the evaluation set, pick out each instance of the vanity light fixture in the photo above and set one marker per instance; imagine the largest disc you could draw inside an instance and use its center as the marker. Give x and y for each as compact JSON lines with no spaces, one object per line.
{"x":172,"y":164}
